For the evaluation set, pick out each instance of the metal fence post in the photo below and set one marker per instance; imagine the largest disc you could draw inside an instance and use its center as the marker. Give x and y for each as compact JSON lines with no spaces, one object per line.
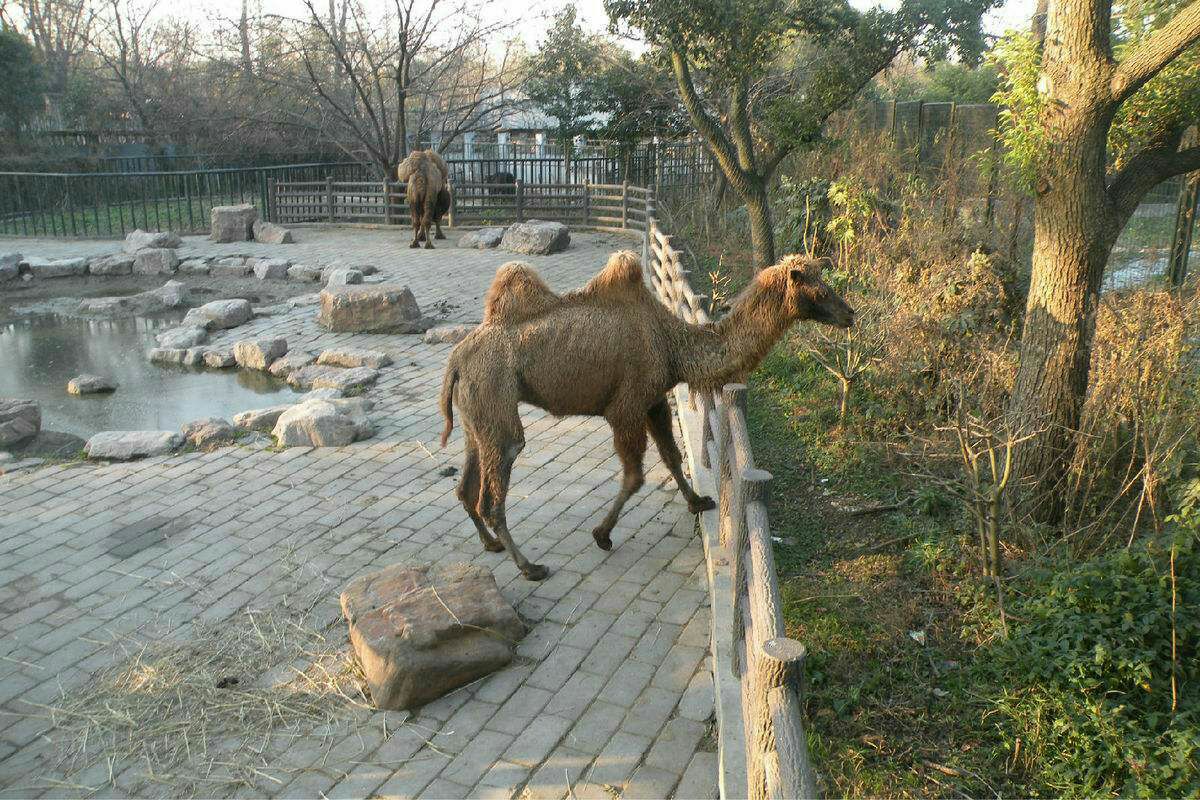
{"x":587,"y":203}
{"x":329,"y":196}
{"x":453,"y":212}
{"x":520,"y":200}
{"x":624,"y":204}
{"x":387,"y":202}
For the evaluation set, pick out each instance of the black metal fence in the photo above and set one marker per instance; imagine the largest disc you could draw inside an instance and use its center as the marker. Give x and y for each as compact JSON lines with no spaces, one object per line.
{"x":112,"y":203}
{"x":106,"y":204}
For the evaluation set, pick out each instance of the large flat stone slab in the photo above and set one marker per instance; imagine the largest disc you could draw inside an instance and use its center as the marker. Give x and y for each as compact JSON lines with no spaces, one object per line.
{"x":128,"y":445}
{"x":220,"y":314}
{"x":421,"y":632}
{"x":20,"y":420}
{"x":378,"y":308}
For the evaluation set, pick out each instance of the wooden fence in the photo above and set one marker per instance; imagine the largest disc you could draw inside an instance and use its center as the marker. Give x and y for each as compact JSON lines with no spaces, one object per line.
{"x":607,"y":206}
{"x":758,"y":672}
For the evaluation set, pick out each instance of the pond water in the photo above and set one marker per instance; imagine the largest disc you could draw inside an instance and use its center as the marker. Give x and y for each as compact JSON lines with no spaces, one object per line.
{"x":40,"y":352}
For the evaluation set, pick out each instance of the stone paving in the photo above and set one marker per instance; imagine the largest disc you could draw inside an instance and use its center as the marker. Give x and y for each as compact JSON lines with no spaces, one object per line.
{"x":590,"y":708}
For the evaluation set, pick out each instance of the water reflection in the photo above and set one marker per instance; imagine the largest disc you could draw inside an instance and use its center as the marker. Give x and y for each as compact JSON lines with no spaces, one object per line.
{"x":39,"y":353}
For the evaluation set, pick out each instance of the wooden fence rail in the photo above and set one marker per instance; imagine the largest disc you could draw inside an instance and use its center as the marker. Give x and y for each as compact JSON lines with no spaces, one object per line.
{"x":603,"y":206}
{"x":752,"y":657}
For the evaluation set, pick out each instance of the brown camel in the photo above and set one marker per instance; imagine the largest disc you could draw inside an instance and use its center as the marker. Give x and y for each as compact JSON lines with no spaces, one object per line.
{"x":428,"y":194}
{"x":609,"y":349}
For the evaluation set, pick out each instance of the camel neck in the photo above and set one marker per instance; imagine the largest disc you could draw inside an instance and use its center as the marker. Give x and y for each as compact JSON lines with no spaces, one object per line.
{"x":729,"y":350}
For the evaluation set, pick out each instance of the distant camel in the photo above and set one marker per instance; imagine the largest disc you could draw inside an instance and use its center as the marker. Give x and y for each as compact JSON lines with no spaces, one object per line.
{"x":428,"y":178}
{"x":609,"y":349}
{"x":501,"y":183}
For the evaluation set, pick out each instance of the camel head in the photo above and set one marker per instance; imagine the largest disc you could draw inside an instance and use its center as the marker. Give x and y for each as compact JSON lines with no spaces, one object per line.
{"x":806,"y":296}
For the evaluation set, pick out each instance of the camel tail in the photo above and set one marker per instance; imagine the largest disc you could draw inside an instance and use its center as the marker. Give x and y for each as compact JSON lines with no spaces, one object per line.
{"x":447,"y":400}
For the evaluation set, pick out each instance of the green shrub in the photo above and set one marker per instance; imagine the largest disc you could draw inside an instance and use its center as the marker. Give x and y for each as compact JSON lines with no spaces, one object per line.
{"x":1087,"y":671}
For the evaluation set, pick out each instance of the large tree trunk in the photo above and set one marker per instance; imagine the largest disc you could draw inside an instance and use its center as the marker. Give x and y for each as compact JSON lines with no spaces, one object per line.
{"x":762,"y":229}
{"x":1074,"y":231}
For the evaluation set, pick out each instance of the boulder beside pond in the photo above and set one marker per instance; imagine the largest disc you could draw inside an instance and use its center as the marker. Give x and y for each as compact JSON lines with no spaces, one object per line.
{"x":378,"y":308}
{"x":117,"y":264}
{"x":208,"y":431}
{"x":270,"y":233}
{"x":420,"y":632}
{"x":220,"y":314}
{"x":155,"y":261}
{"x":127,"y":445}
{"x":57,"y":267}
{"x":259,"y":353}
{"x":10,"y":266}
{"x":19,"y":420}
{"x":233,"y":223}
{"x":322,"y":423}
{"x":140,"y":240}
{"x":536,"y":237}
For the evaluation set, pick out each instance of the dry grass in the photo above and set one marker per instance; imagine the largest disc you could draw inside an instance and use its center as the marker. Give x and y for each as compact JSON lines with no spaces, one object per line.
{"x":201,"y":713}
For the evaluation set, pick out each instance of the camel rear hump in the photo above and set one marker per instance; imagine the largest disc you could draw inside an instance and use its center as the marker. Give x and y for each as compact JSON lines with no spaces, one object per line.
{"x":620,"y":279}
{"x":517,"y":293}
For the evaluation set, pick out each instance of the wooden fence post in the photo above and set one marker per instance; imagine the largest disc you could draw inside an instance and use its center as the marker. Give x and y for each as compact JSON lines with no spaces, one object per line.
{"x":520,"y":200}
{"x":387,"y":202}
{"x":587,"y":202}
{"x":624,"y":204}
{"x":754,"y":485}
{"x":453,"y":212}
{"x":329,"y":196}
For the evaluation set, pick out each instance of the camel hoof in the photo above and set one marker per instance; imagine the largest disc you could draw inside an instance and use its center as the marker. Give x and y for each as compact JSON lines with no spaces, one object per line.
{"x":494,"y":547}
{"x":603,"y":541}
{"x":440,"y":236}
{"x":701,"y":504}
{"x":414,"y":245}
{"x":428,"y":245}
{"x":535,"y":572}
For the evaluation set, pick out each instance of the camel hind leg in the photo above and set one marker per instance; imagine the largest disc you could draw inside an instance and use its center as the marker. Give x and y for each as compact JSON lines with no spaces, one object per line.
{"x":426,"y":221}
{"x":417,"y":208}
{"x":658,"y":422}
{"x":496,"y":463}
{"x":469,"y":491}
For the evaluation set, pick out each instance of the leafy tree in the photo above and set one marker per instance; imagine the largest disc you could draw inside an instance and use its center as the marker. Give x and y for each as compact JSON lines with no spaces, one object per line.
{"x":759,"y":78}
{"x":942,"y":82}
{"x":563,"y":76}
{"x":24,"y":81}
{"x":1095,"y":118}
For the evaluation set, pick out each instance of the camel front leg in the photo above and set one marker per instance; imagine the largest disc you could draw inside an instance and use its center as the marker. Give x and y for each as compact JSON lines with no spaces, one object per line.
{"x":438,"y":224}
{"x":658,"y":422}
{"x":630,"y":444}
{"x":417,"y":212}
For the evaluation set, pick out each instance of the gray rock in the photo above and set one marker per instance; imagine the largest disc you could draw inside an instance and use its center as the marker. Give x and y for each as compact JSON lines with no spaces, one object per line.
{"x":270,"y":233}
{"x":273,"y":269}
{"x":155,"y":261}
{"x":343,"y":277}
{"x":171,"y":294}
{"x":304,"y":300}
{"x":90,"y":384}
{"x":317,"y":376}
{"x":304,"y":273}
{"x":294,"y":360}
{"x":207,"y":431}
{"x":447,"y":334}
{"x":20,"y":420}
{"x":365,"y":269}
{"x":57,"y":267}
{"x":141,"y":240}
{"x":536,"y":237}
{"x":382,"y":308}
{"x":195,"y":266}
{"x":219,"y":359}
{"x":194,"y":356}
{"x":118,"y":264}
{"x":167,"y":355}
{"x":220,"y":314}
{"x":126,"y":445}
{"x":320,"y":423}
{"x":482,"y":239}
{"x":259,"y":353}
{"x":321,"y":394}
{"x":232,"y":223}
{"x":421,"y":632}
{"x":10,"y":266}
{"x":698,"y":701}
{"x":259,"y":419}
{"x":220,"y":270}
{"x":354,"y":357}
{"x":182,"y":337}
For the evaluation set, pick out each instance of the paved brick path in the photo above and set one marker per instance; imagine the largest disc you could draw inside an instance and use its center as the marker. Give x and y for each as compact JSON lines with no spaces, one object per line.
{"x":590,"y":706}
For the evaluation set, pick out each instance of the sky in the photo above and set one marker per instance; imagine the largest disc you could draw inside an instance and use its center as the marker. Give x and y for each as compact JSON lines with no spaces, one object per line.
{"x":1012,"y":14}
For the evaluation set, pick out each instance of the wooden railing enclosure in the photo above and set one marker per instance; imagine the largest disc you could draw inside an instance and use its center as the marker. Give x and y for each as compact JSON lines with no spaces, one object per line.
{"x":748,"y":630}
{"x":595,"y":205}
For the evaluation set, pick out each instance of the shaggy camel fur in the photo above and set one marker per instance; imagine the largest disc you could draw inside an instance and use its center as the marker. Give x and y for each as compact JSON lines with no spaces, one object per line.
{"x":428,"y":196}
{"x":609,"y":349}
